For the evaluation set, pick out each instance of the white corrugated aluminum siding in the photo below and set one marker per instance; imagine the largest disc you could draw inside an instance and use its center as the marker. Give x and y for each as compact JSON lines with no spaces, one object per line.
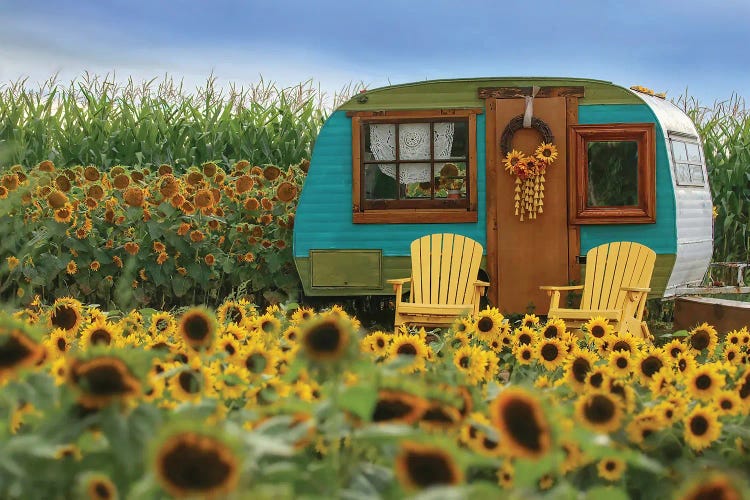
{"x":693,"y":203}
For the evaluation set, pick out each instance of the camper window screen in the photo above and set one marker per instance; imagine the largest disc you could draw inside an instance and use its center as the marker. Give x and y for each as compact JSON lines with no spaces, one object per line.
{"x":415,"y":164}
{"x":609,"y":160}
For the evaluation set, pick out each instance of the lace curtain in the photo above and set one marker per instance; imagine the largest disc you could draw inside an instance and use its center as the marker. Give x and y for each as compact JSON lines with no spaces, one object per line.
{"x":414,"y":144}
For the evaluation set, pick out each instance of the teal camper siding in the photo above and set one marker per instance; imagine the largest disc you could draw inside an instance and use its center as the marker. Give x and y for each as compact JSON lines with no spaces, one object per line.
{"x":324,"y":219}
{"x":660,"y":236}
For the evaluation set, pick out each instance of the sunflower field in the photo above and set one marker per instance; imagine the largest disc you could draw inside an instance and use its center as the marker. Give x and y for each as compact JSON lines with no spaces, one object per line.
{"x":137,"y":236}
{"x":288,"y":403}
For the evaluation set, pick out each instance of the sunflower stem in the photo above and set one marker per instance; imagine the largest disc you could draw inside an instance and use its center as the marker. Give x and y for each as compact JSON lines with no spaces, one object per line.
{"x":335,"y":446}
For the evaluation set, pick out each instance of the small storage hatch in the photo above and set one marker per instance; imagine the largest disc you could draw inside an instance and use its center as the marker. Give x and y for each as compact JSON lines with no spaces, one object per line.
{"x":346,"y":269}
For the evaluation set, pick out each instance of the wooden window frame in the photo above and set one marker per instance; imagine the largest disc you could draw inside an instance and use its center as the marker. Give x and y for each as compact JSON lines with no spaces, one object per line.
{"x":428,"y":211}
{"x":578,"y":138}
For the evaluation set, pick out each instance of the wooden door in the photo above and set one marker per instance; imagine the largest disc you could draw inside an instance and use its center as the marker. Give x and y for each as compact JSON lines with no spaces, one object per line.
{"x":527,"y":254}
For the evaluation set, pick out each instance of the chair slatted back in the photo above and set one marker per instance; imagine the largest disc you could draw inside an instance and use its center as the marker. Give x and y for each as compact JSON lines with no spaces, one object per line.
{"x":612,"y":266}
{"x":444,"y":268}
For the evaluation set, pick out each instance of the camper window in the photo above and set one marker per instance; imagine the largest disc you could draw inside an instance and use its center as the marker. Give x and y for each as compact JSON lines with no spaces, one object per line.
{"x":613,"y":175}
{"x":688,"y":165}
{"x":414,"y":166}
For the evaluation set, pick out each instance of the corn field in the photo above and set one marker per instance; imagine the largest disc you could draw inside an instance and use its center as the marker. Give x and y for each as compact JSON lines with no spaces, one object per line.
{"x":725,"y":130}
{"x":95,"y":121}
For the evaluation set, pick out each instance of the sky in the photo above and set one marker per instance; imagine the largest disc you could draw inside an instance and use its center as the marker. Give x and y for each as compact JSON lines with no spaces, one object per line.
{"x":673,"y":46}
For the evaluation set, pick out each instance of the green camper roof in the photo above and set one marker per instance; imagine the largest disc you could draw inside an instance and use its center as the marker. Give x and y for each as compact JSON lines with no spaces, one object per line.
{"x":462,"y":92}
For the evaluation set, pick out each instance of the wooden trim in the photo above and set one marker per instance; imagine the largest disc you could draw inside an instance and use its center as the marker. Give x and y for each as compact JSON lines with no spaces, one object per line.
{"x":416,"y":210}
{"x":516,"y":92}
{"x":471,"y":186}
{"x":416,"y":204}
{"x":356,"y":164}
{"x":491,"y":172}
{"x":413,"y":216}
{"x":574,"y":231}
{"x":578,"y":136}
{"x":387,"y":114}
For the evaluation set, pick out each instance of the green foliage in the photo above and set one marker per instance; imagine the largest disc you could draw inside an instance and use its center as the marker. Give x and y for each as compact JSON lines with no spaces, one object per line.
{"x":95,"y":121}
{"x":725,"y":130}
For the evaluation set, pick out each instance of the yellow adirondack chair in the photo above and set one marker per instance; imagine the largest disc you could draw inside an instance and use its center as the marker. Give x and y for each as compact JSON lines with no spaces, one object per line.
{"x":616,"y":286}
{"x":443,"y":281}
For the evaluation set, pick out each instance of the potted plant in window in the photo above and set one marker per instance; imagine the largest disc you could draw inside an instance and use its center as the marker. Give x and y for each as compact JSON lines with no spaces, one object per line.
{"x":451,"y":181}
{"x":454,"y":188}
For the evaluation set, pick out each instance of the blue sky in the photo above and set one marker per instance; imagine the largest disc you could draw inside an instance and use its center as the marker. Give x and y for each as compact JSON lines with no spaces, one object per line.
{"x":668,"y":45}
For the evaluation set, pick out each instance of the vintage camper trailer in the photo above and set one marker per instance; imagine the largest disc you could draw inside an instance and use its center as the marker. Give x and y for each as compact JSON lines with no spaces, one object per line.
{"x":399,"y":162}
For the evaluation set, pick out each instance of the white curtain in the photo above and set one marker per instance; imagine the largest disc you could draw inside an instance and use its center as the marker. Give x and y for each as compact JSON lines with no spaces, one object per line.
{"x":414,"y":143}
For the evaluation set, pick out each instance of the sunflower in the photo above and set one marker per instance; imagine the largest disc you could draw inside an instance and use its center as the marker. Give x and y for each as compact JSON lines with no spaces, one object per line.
{"x":96,"y":486}
{"x":134,"y":196}
{"x":622,"y":343}
{"x":286,"y":192}
{"x":488,"y":323}
{"x":100,"y":332}
{"x":393,"y":406}
{"x":64,"y":214}
{"x":675,"y":348}
{"x":550,"y":353}
{"x":506,"y":475}
{"x":716,"y":486}
{"x":704,"y":382}
{"x":524,"y":354}
{"x":232,"y":382}
{"x":702,"y":339}
{"x":376,"y":343}
{"x":163,"y":323}
{"x":512,"y":160}
{"x":525,"y":335}
{"x":193,"y":464}
{"x":419,"y":466}
{"x":743,"y":387}
{"x":66,"y":314}
{"x":101,"y":380}
{"x":611,"y":468}
{"x":269,"y":324}
{"x":685,"y":362}
{"x":546,"y":152}
{"x":257,"y":359}
{"x":231,"y":311}
{"x":439,"y":416}
{"x":553,"y":329}
{"x":599,"y":327}
{"x":486,"y":444}
{"x":326,"y":339}
{"x":648,"y":363}
{"x":577,"y":367}
{"x":662,"y":383}
{"x":702,"y":428}
{"x":197,"y":328}
{"x":470,"y":361}
{"x":732,"y":354}
{"x":271,"y":172}
{"x":191,"y":384}
{"x":228,"y":344}
{"x":620,"y":364}
{"x":409,"y":346}
{"x":59,"y":342}
{"x":728,"y":403}
{"x":599,"y":411}
{"x":521,"y":423}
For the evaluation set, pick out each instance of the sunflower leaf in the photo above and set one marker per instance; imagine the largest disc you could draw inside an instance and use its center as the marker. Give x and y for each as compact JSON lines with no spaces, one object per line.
{"x":606,"y":493}
{"x":359,"y":399}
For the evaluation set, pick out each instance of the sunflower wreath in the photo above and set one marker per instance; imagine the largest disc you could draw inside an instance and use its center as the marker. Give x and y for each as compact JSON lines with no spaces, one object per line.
{"x":528,"y":169}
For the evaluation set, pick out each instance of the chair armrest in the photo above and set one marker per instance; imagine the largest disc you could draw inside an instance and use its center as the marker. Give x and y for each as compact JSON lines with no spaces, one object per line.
{"x":561,"y":288}
{"x":398,"y":281}
{"x":635,"y":289}
{"x":481,"y":283}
